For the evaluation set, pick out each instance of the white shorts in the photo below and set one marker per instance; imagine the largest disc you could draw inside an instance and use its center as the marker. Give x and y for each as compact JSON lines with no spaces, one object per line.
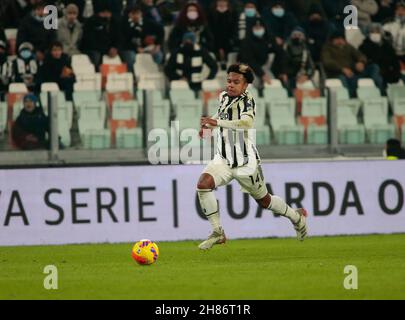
{"x":250,"y":178}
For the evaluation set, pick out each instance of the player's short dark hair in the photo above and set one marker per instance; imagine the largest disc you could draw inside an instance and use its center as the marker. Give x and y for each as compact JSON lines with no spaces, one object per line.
{"x":242,"y":69}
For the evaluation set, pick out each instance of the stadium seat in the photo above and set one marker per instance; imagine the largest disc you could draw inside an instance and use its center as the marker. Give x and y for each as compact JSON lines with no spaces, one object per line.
{"x":376,"y":120}
{"x":122,"y":82}
{"x":364,"y":93}
{"x":11,"y":37}
{"x":161,"y":115}
{"x":106,"y":69}
{"x":179,"y":84}
{"x":365,"y":82}
{"x":92,"y":115}
{"x":125,"y":110}
{"x":274,"y":92}
{"x":349,"y":130}
{"x":88,"y":82}
{"x":49,"y":86}
{"x":212,"y":107}
{"x":96,"y":139}
{"x":181,"y":95}
{"x":283,"y":123}
{"x":189,"y":114}
{"x":317,"y":134}
{"x":263,"y":135}
{"x":314,"y":107}
{"x":212,"y":85}
{"x":61,"y":100}
{"x":395,"y":91}
{"x":145,"y":66}
{"x":333,"y":83}
{"x":17,"y":87}
{"x":112,"y":61}
{"x":260,"y":118}
{"x":81,"y":65}
{"x":3,"y":116}
{"x":80,"y":97}
{"x":399,"y":106}
{"x":129,"y":138}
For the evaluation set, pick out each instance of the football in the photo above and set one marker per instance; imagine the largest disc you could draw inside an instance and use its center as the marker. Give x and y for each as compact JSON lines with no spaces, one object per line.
{"x":145,"y":252}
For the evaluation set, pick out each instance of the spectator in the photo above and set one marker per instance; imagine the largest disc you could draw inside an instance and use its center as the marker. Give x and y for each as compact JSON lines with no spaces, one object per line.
{"x":187,"y":62}
{"x":255,"y":52}
{"x":247,"y":19}
{"x":379,"y":50}
{"x":393,"y":150}
{"x":57,"y":68}
{"x":101,"y":35}
{"x":32,"y":30}
{"x":366,"y":9}
{"x":334,"y":10}
{"x":25,"y":67}
{"x":70,"y":30}
{"x":163,"y":12}
{"x":9,"y":14}
{"x":279,"y":21}
{"x":301,"y":8}
{"x":191,"y":19}
{"x":317,"y":29}
{"x":223,"y":23}
{"x":396,"y":28}
{"x":30,"y":128}
{"x":150,"y":11}
{"x":300,"y":67}
{"x":4,"y":76}
{"x":386,"y":10}
{"x":341,"y":60}
{"x":141,"y":36}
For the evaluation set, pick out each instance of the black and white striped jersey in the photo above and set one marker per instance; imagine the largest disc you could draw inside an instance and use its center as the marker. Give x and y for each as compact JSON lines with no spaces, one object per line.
{"x":236,"y":143}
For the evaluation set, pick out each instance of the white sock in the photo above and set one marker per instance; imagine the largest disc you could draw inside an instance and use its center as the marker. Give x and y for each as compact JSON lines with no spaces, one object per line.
{"x":209,"y":206}
{"x":278,"y":206}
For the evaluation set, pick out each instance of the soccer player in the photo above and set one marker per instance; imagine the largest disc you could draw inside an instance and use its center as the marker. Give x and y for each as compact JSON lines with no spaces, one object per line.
{"x":237,"y":157}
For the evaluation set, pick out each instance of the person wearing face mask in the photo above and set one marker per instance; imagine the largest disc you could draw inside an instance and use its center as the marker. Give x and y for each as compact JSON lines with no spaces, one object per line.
{"x":255,"y":52}
{"x":101,"y":35}
{"x":32,"y":30}
{"x":341,"y":60}
{"x":223,"y":25}
{"x":191,"y":18}
{"x":379,"y":50}
{"x":317,"y":29}
{"x":70,"y":30}
{"x":247,"y":19}
{"x":25,"y":67}
{"x":300,"y":66}
{"x":280,"y":21}
{"x":136,"y":32}
{"x":187,"y":62}
{"x":396,"y":29}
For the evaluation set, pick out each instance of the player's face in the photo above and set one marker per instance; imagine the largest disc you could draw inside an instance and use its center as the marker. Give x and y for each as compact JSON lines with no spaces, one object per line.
{"x":236,"y":84}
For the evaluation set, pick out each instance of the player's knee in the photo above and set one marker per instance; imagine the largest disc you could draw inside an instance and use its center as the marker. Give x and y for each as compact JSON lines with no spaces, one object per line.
{"x":206,"y":181}
{"x":264,"y":202}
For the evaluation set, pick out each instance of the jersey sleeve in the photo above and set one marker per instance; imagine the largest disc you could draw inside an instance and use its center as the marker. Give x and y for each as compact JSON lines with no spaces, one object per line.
{"x":248,"y":107}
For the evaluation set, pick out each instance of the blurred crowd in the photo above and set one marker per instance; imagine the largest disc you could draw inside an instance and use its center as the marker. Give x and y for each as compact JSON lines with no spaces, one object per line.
{"x":300,"y":36}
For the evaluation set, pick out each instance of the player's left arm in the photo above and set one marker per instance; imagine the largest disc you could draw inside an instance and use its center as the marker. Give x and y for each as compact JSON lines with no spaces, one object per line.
{"x":245,"y":122}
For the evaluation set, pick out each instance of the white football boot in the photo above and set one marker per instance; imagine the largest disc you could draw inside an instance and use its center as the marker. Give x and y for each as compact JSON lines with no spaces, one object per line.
{"x":301,"y":226}
{"x":216,"y":237}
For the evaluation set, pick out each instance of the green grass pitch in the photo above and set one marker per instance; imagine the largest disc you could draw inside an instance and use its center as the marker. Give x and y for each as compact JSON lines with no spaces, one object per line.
{"x":239,"y":269}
